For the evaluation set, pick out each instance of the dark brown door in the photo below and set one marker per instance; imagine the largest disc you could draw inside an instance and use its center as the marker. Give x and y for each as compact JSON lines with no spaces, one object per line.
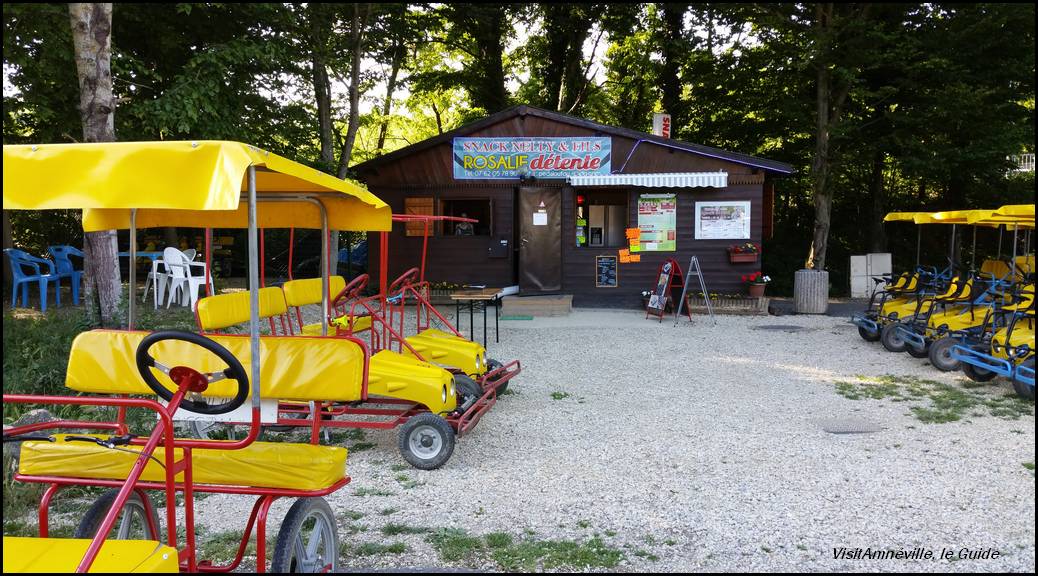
{"x":540,"y":240}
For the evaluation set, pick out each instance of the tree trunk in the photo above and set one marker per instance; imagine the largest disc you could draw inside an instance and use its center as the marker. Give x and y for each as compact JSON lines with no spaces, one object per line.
{"x":673,"y":57}
{"x":360,"y":19}
{"x":92,"y":45}
{"x":398,"y":59}
{"x":320,"y":29}
{"x":820,"y":166}
{"x":878,"y":237}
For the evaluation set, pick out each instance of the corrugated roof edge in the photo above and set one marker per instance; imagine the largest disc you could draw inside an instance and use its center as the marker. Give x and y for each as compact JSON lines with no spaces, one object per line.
{"x":524,"y":110}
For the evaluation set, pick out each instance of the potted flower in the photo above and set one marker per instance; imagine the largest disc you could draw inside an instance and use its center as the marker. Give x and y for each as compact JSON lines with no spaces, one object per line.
{"x":756,"y":283}
{"x":745,"y":252}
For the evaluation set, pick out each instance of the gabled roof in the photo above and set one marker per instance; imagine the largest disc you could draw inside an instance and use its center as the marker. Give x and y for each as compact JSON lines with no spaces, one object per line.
{"x":524,"y":110}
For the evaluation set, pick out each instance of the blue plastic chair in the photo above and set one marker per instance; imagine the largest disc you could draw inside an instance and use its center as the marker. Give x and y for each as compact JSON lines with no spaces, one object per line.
{"x":20,"y":260}
{"x":66,"y":269}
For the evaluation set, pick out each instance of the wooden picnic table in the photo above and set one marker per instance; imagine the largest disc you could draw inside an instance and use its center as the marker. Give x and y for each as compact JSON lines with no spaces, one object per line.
{"x":484,"y":296}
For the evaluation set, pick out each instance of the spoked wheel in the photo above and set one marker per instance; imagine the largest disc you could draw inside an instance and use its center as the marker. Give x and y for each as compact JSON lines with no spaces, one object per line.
{"x":494,"y":365}
{"x":132,"y":523}
{"x":426,"y":441}
{"x":891,"y":340}
{"x":868,"y":335}
{"x":1025,"y":390}
{"x":941,"y":357}
{"x":308,"y":540}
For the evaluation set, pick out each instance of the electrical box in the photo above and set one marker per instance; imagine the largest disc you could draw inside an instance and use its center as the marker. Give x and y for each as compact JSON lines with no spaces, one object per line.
{"x":866,"y":267}
{"x":498,"y":248}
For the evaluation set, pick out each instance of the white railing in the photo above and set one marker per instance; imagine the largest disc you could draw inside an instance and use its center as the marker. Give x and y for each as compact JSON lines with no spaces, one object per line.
{"x":1024,"y":162}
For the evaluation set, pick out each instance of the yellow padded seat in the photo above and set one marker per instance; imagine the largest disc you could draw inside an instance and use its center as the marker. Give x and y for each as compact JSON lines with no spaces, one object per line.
{"x":62,"y":555}
{"x":291,"y":367}
{"x":226,"y":310}
{"x":308,"y":291}
{"x":260,"y":464}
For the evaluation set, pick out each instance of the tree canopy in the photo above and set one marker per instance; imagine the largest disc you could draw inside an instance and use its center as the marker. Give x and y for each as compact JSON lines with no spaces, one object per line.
{"x":925,"y":103}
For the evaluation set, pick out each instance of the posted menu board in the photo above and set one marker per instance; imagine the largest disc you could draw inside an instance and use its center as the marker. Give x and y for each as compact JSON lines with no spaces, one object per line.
{"x":605,"y":272}
{"x":716,"y":220}
{"x":657,"y":223}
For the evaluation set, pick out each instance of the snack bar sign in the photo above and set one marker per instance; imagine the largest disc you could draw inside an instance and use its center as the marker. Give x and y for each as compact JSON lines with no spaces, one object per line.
{"x":503,"y":158}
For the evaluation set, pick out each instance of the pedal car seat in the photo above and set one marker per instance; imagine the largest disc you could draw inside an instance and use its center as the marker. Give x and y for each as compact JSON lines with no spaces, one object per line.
{"x":299,"y":293}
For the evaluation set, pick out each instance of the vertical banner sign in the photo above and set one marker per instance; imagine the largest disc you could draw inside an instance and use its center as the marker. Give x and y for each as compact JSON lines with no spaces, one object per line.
{"x":510,"y":158}
{"x":657,"y":223}
{"x":661,"y":125}
{"x":722,"y":220}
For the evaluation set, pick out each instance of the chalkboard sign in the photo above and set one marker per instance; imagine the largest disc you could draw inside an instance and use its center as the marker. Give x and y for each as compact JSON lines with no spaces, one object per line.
{"x":605,"y":272}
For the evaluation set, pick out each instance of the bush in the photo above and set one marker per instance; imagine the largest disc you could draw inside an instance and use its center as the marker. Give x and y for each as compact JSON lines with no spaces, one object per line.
{"x":36,"y":352}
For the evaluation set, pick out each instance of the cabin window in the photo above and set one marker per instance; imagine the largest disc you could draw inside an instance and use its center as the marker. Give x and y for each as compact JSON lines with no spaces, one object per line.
{"x":480,"y":209}
{"x":601,"y":218}
{"x":422,"y":205}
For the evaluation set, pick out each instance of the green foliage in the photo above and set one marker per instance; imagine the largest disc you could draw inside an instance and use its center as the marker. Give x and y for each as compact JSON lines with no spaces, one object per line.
{"x":943,"y":402}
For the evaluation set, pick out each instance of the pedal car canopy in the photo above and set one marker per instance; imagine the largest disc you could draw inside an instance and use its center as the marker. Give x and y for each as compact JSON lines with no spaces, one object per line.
{"x":191,"y":184}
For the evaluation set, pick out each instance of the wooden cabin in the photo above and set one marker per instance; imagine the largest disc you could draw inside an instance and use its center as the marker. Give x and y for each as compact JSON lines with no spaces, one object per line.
{"x":558,"y":199}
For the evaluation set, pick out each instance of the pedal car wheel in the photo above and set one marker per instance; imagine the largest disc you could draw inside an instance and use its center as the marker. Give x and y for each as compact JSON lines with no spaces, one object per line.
{"x":940,"y":355}
{"x":916,"y":352}
{"x":308,"y":540}
{"x":426,"y":441}
{"x":1023,"y":390}
{"x":146,"y":364}
{"x":977,"y":374}
{"x":868,"y":335}
{"x":891,"y":340}
{"x":467,"y":387}
{"x":132,"y":523}
{"x":494,"y":365}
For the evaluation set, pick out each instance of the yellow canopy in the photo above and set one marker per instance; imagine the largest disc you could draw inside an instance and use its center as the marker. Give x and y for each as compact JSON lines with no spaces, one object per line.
{"x":902,"y":216}
{"x":191,"y":184}
{"x":1024,"y":210}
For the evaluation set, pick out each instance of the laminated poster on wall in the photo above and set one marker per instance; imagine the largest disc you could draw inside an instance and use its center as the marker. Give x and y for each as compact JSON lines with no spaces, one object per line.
{"x":658,"y":222}
{"x":727,"y":220}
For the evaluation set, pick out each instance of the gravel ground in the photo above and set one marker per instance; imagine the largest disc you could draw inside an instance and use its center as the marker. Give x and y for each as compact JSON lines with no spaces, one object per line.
{"x":699,"y":447}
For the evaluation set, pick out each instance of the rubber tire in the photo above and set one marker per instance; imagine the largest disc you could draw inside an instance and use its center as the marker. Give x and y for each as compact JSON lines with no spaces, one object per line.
{"x":940,"y":355}
{"x":868,"y":335}
{"x":297,"y":515}
{"x":446,"y":437}
{"x":95,"y":515}
{"x":465,"y":387}
{"x":977,"y":374}
{"x":1023,"y":390}
{"x":494,"y":365}
{"x":890,"y":340}
{"x":915,"y":353}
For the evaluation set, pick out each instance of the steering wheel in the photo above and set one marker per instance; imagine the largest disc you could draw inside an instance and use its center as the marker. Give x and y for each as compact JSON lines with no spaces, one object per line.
{"x":406,"y":278}
{"x":198,"y":381}
{"x":351,"y":290}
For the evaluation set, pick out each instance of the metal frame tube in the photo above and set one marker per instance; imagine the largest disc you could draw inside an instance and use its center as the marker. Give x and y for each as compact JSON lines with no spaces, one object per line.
{"x":325,"y":288}
{"x":254,"y":291}
{"x":132,"y":308}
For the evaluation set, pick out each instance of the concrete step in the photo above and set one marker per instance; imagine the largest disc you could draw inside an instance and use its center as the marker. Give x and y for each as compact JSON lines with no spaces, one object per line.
{"x":554,"y":305}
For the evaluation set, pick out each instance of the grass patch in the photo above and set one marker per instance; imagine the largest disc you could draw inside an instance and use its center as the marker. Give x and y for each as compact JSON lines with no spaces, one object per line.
{"x":407,"y":482}
{"x":936,"y":402}
{"x":361,"y":446}
{"x":559,"y":395}
{"x":361,"y":492}
{"x":352,"y":515}
{"x":344,"y":435}
{"x":647,"y":555}
{"x":393,"y":529}
{"x":387,"y":511}
{"x":1029,"y":466}
{"x":526,"y":555}
{"x":374,"y":549}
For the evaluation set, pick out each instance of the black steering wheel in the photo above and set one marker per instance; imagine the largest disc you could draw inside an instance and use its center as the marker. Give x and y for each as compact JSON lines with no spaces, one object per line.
{"x":234,"y":371}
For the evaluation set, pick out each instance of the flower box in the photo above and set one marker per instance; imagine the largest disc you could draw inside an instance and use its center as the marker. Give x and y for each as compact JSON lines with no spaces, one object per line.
{"x":742,"y":257}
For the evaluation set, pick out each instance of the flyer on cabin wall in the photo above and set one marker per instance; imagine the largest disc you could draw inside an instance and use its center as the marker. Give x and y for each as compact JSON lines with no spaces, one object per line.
{"x":717,"y":220}
{"x":657,"y":222}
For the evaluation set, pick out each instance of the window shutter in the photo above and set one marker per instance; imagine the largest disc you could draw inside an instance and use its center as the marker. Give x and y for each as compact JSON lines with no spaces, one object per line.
{"x":422,"y":206}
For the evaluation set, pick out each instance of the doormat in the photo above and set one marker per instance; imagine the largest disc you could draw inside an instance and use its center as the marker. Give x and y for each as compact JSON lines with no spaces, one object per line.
{"x":517,"y":318}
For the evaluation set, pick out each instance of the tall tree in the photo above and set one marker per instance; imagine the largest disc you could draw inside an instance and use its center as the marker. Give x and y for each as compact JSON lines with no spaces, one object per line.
{"x":92,"y":43}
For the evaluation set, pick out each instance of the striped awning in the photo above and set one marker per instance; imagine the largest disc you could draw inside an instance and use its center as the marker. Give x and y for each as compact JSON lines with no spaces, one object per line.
{"x":663,"y":180}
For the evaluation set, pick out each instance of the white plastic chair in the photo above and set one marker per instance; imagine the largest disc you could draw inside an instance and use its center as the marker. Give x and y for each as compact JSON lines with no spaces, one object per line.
{"x":178,"y":265}
{"x":157,"y":280}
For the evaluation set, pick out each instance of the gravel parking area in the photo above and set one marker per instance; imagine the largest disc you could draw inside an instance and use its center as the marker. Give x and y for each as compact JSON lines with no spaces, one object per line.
{"x":654,"y":447}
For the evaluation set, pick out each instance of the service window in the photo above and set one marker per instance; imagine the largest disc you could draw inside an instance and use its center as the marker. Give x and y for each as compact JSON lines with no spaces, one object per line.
{"x":422,"y":205}
{"x":601,"y":218}
{"x":480,"y":209}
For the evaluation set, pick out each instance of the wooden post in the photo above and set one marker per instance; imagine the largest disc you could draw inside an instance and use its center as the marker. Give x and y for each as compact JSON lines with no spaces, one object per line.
{"x":811,"y":291}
